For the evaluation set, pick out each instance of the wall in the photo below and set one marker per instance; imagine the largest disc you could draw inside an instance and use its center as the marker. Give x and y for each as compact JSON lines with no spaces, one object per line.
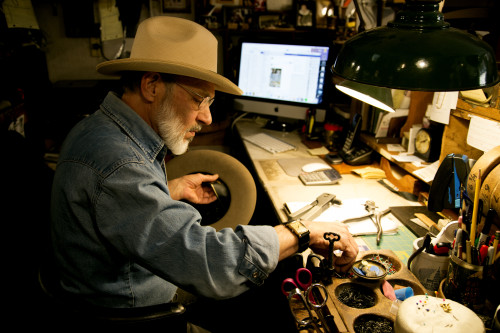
{"x":71,"y":58}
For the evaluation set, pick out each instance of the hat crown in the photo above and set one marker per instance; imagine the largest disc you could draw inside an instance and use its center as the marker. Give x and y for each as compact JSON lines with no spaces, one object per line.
{"x":175,"y":40}
{"x":173,"y":45}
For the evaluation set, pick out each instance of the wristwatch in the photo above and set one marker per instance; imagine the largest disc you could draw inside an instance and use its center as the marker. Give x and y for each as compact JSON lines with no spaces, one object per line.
{"x":300,"y":230}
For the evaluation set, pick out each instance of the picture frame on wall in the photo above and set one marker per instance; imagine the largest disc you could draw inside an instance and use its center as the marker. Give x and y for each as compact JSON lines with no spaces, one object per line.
{"x":238,"y":17}
{"x":176,"y":6}
{"x":305,"y":11}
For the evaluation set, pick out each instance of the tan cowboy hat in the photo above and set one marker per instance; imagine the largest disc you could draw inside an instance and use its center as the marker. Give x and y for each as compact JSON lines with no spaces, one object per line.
{"x":176,"y":46}
{"x":236,"y":189}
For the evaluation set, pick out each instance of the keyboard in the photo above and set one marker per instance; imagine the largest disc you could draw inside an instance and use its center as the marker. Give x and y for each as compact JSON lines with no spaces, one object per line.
{"x":269,"y":143}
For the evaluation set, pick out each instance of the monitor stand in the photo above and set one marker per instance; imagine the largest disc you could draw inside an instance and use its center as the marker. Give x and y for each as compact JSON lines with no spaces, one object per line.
{"x":281,"y":125}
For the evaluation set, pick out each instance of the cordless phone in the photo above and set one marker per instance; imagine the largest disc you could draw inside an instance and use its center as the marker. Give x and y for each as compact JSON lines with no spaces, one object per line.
{"x":355,"y":152}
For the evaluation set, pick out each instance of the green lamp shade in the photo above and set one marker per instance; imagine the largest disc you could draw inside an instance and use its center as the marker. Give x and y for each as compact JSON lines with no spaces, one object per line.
{"x":379,"y":97}
{"x":418,"y":51}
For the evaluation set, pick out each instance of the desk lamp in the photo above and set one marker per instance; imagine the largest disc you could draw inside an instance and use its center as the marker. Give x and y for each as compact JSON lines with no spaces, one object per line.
{"x":418,"y":51}
{"x":379,"y":97}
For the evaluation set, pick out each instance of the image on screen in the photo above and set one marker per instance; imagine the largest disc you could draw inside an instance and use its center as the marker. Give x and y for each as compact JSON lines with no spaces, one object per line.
{"x":283,"y":72}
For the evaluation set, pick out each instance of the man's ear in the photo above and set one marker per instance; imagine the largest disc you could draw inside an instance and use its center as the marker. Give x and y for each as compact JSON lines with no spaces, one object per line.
{"x":149,"y":85}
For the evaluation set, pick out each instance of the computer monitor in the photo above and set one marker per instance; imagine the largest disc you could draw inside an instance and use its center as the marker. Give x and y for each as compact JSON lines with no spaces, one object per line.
{"x":284,"y":79}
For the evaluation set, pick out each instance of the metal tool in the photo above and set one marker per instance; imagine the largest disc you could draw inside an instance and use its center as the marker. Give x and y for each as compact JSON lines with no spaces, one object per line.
{"x":314,"y":209}
{"x":377,"y":214}
{"x":332,"y":238}
{"x":320,"y":323}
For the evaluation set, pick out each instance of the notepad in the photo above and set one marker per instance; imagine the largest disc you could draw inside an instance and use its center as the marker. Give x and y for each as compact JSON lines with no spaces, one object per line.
{"x":352,"y":208}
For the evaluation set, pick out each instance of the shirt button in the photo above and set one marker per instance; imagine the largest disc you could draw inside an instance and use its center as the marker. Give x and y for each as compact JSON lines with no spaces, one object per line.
{"x":255,"y":275}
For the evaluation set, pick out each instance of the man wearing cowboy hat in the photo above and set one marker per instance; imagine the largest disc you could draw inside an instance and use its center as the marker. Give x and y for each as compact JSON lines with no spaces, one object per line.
{"x":122,"y":237}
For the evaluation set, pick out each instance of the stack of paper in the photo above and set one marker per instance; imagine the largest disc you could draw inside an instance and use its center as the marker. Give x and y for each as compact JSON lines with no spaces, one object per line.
{"x":370,"y":173}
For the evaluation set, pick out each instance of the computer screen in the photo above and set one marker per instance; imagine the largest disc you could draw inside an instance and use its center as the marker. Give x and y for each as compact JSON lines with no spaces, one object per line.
{"x":283,"y":79}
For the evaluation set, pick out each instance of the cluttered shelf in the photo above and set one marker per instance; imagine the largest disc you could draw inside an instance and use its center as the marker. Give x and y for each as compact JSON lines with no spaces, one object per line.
{"x":406,"y":176}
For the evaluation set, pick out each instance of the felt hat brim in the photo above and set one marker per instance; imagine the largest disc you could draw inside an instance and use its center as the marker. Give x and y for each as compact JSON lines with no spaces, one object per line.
{"x":115,"y":67}
{"x":231,"y":172}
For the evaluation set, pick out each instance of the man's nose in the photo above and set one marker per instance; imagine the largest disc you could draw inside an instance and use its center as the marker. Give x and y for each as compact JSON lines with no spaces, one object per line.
{"x":205,"y":116}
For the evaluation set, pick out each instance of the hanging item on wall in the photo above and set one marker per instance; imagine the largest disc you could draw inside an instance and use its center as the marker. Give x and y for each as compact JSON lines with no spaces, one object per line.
{"x":111,"y":26}
{"x":259,"y":5}
{"x":177,"y":6}
{"x":19,"y":14}
{"x":306,"y":14}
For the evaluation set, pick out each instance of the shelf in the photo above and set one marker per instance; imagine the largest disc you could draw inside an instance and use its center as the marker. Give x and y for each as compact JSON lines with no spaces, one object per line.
{"x":381,"y":148}
{"x":400,"y":174}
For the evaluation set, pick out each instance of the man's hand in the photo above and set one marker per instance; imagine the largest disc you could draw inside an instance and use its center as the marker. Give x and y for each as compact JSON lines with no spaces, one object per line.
{"x":346,"y":243}
{"x":192,"y":189}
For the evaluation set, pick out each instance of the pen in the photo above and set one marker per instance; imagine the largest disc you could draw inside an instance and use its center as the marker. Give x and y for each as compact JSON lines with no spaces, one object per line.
{"x":458,"y":241}
{"x":475,"y":207}
{"x":468,"y":251}
{"x":474,"y":256}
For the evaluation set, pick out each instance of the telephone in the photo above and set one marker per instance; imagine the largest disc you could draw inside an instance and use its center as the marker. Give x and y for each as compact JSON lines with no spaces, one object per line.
{"x":355,"y":152}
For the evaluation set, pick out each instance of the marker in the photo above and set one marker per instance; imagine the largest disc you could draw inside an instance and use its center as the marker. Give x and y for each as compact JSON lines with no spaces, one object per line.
{"x":491,"y":255}
{"x":495,"y":244}
{"x":458,"y":241}
{"x":483,"y":254}
{"x":483,"y":237}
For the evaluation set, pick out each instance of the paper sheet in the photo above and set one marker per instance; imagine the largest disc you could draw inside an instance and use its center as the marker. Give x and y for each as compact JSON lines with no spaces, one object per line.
{"x":352,"y":208}
{"x":427,"y":174}
{"x":111,"y":27}
{"x":483,"y":134}
{"x":20,"y":14}
{"x":442,"y":104}
{"x":407,"y":158}
{"x":395,"y":147}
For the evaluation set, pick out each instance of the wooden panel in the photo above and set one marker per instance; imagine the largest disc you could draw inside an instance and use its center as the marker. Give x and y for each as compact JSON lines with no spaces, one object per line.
{"x":418,"y":106}
{"x":455,"y":139}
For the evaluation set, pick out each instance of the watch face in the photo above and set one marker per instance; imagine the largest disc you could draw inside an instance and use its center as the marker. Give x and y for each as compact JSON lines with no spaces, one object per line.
{"x":298,"y":227}
{"x":423,"y":142}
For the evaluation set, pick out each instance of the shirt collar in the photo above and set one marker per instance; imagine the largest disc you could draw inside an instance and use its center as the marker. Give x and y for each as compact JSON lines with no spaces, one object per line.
{"x":134,"y":126}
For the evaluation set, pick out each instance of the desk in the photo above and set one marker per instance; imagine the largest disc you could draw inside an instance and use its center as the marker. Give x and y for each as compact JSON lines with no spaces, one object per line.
{"x":281,"y":187}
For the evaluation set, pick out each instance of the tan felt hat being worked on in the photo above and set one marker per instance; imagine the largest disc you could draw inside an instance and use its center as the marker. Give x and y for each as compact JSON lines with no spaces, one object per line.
{"x":240,"y":184}
{"x":175,"y":46}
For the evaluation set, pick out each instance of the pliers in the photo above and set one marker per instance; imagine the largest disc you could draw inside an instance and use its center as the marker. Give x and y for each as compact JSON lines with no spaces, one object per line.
{"x":377,"y":214}
{"x":314,"y":209}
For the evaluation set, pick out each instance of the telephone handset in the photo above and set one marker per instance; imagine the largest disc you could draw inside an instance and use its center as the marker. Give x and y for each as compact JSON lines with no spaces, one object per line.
{"x":352,"y":134}
{"x":355,"y":152}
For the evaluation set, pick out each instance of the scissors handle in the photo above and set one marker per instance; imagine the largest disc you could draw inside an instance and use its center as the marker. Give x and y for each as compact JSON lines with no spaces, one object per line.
{"x":310,"y":320}
{"x":303,"y":276}
{"x":288,"y":285}
{"x":318,"y":289}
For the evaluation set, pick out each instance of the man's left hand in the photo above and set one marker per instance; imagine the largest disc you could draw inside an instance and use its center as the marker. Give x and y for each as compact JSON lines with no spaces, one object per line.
{"x":192,"y":188}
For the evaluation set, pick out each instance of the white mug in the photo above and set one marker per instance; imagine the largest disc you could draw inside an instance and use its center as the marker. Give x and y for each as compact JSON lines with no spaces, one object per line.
{"x":429,"y":269}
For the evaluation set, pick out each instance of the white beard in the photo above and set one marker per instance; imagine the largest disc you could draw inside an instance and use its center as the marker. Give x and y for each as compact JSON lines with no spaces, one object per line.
{"x":170,"y":127}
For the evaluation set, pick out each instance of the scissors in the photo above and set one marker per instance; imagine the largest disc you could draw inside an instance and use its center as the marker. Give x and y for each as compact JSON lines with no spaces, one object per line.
{"x":301,"y":288}
{"x":303,"y":280}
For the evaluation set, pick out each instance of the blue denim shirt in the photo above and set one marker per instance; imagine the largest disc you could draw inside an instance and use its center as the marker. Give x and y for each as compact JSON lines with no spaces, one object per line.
{"x":122,"y":241}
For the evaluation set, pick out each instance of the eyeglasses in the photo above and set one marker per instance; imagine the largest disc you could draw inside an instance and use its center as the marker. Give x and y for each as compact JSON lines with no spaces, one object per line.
{"x":205,"y":101}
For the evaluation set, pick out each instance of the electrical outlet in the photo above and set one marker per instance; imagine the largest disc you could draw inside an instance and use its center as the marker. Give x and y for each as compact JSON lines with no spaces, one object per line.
{"x":95,"y":47}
